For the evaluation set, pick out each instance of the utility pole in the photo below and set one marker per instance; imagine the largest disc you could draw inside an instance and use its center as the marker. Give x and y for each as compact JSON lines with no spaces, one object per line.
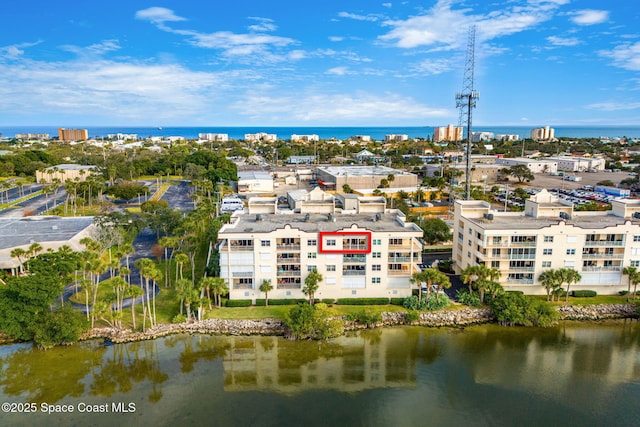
{"x":466,"y":101}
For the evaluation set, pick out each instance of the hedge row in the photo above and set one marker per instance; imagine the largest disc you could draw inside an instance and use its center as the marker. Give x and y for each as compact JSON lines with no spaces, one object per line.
{"x":584,"y":294}
{"x":238,"y":303}
{"x":284,"y":301}
{"x":396,"y":301}
{"x":363,"y":301}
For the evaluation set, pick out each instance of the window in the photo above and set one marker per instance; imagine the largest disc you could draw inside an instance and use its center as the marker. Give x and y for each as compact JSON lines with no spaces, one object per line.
{"x":312,"y":242}
{"x":636,"y":238}
{"x":376,"y":267}
{"x":470,"y":232}
{"x":495,"y":264}
{"x":312,"y":255}
{"x":375,"y":280}
{"x":377,"y":242}
{"x":547,"y":252}
{"x":331,"y":242}
{"x":548,"y":239}
{"x":571,"y":251}
{"x":546,"y":264}
{"x":310,"y":268}
{"x":376,"y":254}
{"x":265,"y":243}
{"x":331,"y":267}
{"x":395,"y":242}
{"x":635,"y":263}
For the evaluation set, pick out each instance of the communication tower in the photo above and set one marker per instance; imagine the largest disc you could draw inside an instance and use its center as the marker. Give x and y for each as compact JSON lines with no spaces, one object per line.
{"x":466,"y":101}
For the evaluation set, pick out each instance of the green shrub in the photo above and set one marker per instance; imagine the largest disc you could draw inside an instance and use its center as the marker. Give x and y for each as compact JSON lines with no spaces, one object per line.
{"x":312,"y":321}
{"x":516,"y":292}
{"x":238,"y":303}
{"x":516,"y":309}
{"x":262,"y":302}
{"x":472,"y":299}
{"x":412,"y":316}
{"x":363,"y":301}
{"x":179,"y":318}
{"x":436,"y":302}
{"x":584,"y":294}
{"x":623,"y":292}
{"x":328,"y":301}
{"x":412,"y":303}
{"x":365,"y":317}
{"x":396,"y":301}
{"x":286,"y":301}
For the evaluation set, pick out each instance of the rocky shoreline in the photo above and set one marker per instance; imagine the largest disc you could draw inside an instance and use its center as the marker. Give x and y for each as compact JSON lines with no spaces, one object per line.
{"x":457,"y":318}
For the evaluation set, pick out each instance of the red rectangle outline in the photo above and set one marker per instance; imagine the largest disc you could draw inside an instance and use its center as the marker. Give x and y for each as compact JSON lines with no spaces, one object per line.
{"x":322,"y":234}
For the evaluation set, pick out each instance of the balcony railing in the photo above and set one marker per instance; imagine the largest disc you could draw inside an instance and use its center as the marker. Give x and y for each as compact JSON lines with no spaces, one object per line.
{"x":520,"y":281}
{"x":288,"y":286}
{"x":350,"y":247}
{"x":353,"y":259}
{"x":604,"y":243}
{"x":400,"y":259}
{"x":602,"y":268}
{"x":294,"y":260}
{"x":599,"y":256}
{"x":288,"y":273}
{"x":241,"y":247}
{"x":354,"y":272}
{"x":242,"y":286}
{"x":521,"y":268}
{"x":288,"y":246}
{"x":405,"y":272}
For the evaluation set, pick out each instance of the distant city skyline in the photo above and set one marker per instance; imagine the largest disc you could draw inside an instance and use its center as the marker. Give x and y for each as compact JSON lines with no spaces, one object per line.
{"x":329,"y":63}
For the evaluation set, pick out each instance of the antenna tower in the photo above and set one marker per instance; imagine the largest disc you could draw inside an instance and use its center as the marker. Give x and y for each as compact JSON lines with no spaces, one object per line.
{"x":466,"y":101}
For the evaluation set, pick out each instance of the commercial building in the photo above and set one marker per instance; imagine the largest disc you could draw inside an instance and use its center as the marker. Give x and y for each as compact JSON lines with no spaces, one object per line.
{"x":534,"y":165}
{"x":73,"y":134}
{"x":396,"y":137}
{"x":449,"y":133}
{"x":65,"y":172}
{"x":260,"y":137}
{"x":479,"y":172}
{"x":51,"y":232}
{"x":549,"y":234}
{"x":255,"y":182}
{"x":545,"y":133}
{"x":305,"y":138}
{"x":32,"y":136}
{"x":579,"y":164}
{"x":369,"y":253}
{"x":365,"y":177}
{"x":482,"y":136}
{"x":220,"y":137}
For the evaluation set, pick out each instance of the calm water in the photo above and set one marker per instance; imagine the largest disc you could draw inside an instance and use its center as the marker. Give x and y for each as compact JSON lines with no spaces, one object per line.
{"x":572,"y":375}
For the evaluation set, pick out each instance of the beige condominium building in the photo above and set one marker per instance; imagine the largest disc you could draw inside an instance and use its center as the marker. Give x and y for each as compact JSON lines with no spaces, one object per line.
{"x":549,"y":234}
{"x":370,"y":253}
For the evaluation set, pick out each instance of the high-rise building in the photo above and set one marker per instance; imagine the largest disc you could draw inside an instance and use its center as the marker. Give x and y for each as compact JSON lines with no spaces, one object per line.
{"x":545,"y":133}
{"x":449,"y":133}
{"x":73,"y":134}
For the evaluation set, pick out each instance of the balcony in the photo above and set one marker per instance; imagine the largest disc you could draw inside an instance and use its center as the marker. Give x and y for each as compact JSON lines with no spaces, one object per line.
{"x":403,"y":272}
{"x":288,"y":286}
{"x":354,"y":272}
{"x":604,"y":243}
{"x":602,"y":268}
{"x":519,"y":281}
{"x":234,"y":248}
{"x":288,"y":273}
{"x":243,"y":286}
{"x":400,"y":259}
{"x":351,"y":247}
{"x":288,"y":246}
{"x":354,"y":259}
{"x":291,"y":260}
{"x":602,"y":256}
{"x":528,"y":269}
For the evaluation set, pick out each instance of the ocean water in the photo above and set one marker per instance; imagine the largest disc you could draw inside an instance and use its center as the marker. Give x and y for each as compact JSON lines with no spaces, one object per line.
{"x":376,"y":133}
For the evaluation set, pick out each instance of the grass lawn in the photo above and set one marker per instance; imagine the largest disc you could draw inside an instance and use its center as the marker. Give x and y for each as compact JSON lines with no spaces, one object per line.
{"x":598,"y":299}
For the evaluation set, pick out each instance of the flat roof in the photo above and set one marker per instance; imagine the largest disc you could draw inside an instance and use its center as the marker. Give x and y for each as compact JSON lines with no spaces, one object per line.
{"x":71,"y":166}
{"x":24,"y":231}
{"x":520,"y":222}
{"x":316,"y":223}
{"x":254,"y":175}
{"x":354,"y":171}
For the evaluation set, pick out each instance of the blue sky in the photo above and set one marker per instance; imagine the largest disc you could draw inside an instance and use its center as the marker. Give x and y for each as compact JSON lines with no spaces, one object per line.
{"x":317,"y":63}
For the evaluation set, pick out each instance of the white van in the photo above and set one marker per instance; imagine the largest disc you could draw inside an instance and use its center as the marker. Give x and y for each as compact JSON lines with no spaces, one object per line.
{"x":230,"y":204}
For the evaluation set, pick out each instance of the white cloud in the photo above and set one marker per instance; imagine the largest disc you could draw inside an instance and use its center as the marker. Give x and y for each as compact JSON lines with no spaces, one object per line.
{"x":387,"y":4}
{"x":613,"y":106}
{"x":589,"y":17}
{"x":16,"y":50}
{"x":336,"y":38}
{"x":563,"y":41}
{"x":437,"y":27}
{"x":255,"y":47}
{"x":94,"y":49}
{"x":263,"y":25}
{"x":339,"y":71}
{"x":158,"y":15}
{"x":370,"y":17}
{"x":331,"y":109}
{"x":625,"y":56}
{"x":434,"y":66}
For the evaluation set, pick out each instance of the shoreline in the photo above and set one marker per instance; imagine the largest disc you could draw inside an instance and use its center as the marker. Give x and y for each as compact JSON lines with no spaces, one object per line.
{"x":275,"y":327}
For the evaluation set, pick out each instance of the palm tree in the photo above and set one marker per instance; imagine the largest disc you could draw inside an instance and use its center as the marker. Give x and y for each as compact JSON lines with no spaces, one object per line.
{"x":219,"y":288}
{"x":133,"y":292}
{"x":550,"y":279}
{"x":469,"y":276}
{"x":311,"y":284}
{"x":206,"y":283}
{"x":633,"y":277}
{"x":19,"y":253}
{"x":183,"y":286}
{"x":266,"y":287}
{"x":479,"y":276}
{"x":569,"y":276}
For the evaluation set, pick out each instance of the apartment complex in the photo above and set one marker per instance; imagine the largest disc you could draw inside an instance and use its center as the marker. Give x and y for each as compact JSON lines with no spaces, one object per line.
{"x":260,"y":136}
{"x":305,"y":138}
{"x":220,"y":137}
{"x":449,"y":133}
{"x":370,"y":253}
{"x":549,"y":234}
{"x":73,"y":134}
{"x":545,"y":133}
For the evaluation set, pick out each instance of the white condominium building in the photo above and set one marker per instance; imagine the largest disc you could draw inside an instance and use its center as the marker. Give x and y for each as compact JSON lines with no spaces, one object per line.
{"x":447,"y":133}
{"x":545,"y":133}
{"x":260,"y":136}
{"x":371,"y":253}
{"x":549,"y":234}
